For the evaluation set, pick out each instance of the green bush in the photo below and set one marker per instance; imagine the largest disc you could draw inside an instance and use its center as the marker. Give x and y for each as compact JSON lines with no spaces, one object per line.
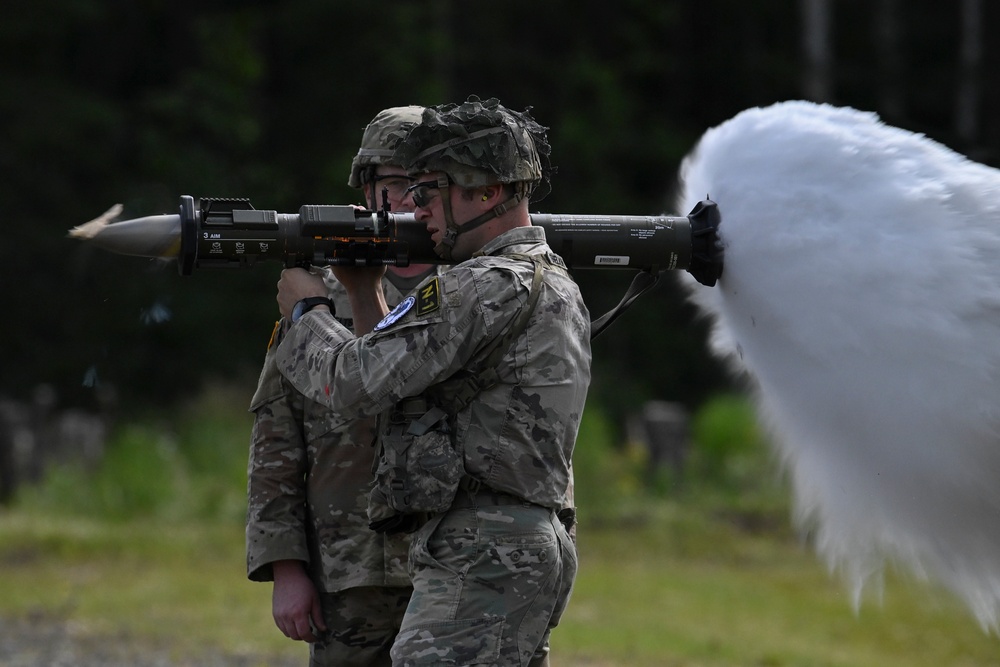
{"x":137,"y":477}
{"x":728,"y":445}
{"x":603,"y":474}
{"x":193,"y":468}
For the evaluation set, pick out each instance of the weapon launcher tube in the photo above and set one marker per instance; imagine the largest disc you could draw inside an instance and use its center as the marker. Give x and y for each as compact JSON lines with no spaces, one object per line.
{"x":235,"y":235}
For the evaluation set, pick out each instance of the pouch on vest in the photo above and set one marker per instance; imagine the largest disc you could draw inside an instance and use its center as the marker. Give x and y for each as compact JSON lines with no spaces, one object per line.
{"x":418,"y":469}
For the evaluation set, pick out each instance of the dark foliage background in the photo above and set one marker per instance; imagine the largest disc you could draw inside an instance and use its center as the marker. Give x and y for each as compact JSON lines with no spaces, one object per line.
{"x":141,"y":101}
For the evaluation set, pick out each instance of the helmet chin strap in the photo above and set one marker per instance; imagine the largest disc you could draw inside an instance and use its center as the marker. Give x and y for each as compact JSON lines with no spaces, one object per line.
{"x":445,"y":248}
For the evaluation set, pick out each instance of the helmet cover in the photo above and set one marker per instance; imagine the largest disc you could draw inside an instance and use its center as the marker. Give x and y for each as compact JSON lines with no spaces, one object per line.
{"x":479,"y":143}
{"x":380,"y":139}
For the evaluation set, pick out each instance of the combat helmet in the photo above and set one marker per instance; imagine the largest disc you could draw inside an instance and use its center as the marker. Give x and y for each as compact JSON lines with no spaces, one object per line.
{"x":476,"y":144}
{"x":381,"y":137}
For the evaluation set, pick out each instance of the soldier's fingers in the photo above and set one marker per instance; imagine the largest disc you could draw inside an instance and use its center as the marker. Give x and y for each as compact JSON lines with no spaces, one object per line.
{"x":284,"y":627}
{"x":303,"y":630}
{"x":289,"y":627}
{"x":317,"y":616}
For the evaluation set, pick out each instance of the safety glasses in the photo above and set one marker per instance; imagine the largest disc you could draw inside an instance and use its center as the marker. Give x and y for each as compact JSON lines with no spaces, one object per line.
{"x":396,"y":184}
{"x":423,"y":192}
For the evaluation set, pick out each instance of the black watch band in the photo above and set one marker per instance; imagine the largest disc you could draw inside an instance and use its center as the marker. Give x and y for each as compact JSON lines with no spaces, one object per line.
{"x":305,"y":305}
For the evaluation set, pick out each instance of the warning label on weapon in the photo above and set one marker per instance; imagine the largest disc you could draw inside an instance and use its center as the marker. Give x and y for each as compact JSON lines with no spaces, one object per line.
{"x":611,"y":260}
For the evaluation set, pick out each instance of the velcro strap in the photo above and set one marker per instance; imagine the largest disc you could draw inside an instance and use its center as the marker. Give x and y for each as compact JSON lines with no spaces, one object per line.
{"x":425,"y":422}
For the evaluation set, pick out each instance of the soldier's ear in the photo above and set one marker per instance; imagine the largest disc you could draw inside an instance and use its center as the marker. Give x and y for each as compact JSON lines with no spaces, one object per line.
{"x":491,"y":192}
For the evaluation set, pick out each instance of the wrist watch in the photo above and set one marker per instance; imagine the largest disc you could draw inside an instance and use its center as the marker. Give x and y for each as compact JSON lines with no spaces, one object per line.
{"x":305,"y":305}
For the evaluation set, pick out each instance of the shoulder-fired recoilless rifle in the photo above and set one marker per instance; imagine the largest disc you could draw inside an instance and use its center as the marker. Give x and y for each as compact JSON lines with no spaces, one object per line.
{"x":230,"y":233}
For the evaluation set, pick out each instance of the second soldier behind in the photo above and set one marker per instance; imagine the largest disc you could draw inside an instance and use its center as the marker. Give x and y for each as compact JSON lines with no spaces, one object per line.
{"x":337,"y":584}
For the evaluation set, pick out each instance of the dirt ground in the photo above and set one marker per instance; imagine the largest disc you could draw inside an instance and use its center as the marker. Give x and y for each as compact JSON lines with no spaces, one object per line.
{"x":49,"y":642}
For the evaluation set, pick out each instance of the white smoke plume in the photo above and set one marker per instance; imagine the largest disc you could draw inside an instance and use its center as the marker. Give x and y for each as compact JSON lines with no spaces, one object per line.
{"x":861,"y":294}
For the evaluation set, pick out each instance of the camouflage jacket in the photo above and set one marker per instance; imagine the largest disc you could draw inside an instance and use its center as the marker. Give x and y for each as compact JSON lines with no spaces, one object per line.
{"x":517,"y":436}
{"x":309,"y":475}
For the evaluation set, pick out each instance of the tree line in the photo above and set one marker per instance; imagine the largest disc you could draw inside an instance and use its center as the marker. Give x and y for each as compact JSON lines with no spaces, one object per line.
{"x":140,"y":102}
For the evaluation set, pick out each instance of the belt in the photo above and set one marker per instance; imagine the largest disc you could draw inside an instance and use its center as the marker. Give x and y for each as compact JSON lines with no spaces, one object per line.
{"x":473,"y":493}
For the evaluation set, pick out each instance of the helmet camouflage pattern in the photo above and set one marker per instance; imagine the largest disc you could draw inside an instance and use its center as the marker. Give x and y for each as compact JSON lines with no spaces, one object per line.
{"x":380,"y":139}
{"x":479,"y":143}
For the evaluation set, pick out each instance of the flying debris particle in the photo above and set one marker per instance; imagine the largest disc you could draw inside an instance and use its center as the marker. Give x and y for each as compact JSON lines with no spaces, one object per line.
{"x":155,"y":314}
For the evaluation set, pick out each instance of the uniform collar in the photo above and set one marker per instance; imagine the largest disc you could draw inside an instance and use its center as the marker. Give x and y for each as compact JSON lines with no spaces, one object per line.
{"x":527,"y":235}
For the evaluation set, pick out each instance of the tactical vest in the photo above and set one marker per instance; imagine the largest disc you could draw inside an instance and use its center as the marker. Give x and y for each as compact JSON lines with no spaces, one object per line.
{"x":419,"y":467}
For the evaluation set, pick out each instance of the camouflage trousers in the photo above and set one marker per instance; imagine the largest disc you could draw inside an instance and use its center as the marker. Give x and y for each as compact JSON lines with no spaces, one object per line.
{"x":490,"y":581}
{"x":361,"y":624}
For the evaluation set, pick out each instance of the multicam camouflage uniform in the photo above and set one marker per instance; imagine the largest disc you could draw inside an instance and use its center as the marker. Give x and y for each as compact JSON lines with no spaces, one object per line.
{"x":309,"y":477}
{"x":493,"y":574}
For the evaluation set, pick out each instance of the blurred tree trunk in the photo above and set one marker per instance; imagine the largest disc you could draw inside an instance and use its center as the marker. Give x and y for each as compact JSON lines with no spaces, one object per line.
{"x":816,"y":29}
{"x":8,"y":473}
{"x":888,"y":47}
{"x":970,"y":66}
{"x":442,"y":13}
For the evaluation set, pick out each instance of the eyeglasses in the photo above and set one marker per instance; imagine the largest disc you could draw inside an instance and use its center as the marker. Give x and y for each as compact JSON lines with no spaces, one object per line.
{"x":396,"y":184}
{"x":423,"y":192}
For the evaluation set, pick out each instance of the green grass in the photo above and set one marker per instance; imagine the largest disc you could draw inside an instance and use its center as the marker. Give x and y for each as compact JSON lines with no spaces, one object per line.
{"x":176,"y":586}
{"x":684,"y":590}
{"x":697,"y":571}
{"x":672,"y":588}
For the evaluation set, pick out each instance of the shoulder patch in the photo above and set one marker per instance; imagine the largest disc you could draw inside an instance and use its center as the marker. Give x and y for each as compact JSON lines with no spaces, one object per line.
{"x":396,"y":313}
{"x":275,"y":335}
{"x":429,"y":298}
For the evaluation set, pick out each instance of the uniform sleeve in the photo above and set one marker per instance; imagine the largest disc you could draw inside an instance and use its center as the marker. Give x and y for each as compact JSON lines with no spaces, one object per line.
{"x":424,"y":340}
{"x":276,"y":489}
